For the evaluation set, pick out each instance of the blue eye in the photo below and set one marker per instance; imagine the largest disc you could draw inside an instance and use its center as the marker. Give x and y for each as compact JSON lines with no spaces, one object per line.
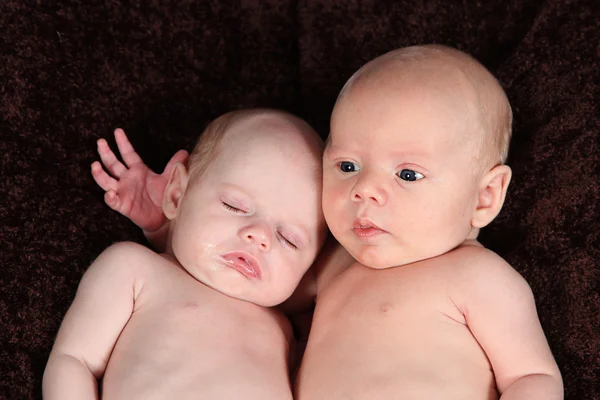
{"x":348,"y":166}
{"x":409,"y":175}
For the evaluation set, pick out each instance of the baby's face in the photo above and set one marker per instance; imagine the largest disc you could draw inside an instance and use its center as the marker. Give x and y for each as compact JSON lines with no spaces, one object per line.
{"x":399,"y":185}
{"x":252,"y":224}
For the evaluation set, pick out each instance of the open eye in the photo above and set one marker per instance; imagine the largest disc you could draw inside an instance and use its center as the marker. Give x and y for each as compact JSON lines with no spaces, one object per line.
{"x":349,"y":166}
{"x":409,"y":175}
{"x":232,"y":208}
{"x":286,"y":241}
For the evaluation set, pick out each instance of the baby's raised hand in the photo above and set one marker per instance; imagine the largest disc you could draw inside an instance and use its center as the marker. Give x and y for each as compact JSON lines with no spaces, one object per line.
{"x":134,"y":190}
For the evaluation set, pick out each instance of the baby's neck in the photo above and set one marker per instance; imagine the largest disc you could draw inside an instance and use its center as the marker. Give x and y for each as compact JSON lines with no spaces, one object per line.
{"x":470,"y":242}
{"x":473,"y":234}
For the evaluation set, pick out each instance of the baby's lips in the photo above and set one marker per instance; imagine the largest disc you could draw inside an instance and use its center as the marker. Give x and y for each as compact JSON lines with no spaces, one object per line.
{"x":365,"y":228}
{"x":360,"y":223}
{"x":244,"y":263}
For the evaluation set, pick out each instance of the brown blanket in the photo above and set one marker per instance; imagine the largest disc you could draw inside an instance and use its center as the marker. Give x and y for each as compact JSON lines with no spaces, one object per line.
{"x":73,"y":70}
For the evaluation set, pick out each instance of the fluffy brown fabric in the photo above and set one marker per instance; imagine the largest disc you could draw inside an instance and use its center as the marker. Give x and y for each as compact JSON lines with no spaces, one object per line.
{"x":73,"y":70}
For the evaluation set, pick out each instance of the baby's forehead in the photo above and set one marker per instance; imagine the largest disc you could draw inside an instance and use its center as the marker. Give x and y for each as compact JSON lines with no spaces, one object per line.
{"x":261,"y":125}
{"x":273,"y":132}
{"x":444,"y":80}
{"x":417,"y":90}
{"x":442,"y":85}
{"x":445,"y":90}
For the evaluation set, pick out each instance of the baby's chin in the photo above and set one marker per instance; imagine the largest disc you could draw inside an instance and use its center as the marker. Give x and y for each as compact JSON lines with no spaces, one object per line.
{"x":267,"y":301}
{"x":378,"y":258}
{"x":226,"y":282}
{"x":369,"y":258}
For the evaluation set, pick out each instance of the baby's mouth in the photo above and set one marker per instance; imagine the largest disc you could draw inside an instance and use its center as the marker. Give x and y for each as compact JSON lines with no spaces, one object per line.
{"x":244,"y":263}
{"x":364,"y":228}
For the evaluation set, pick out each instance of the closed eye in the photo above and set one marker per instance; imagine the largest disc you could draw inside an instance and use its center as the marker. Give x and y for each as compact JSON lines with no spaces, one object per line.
{"x":232,"y":208}
{"x":286,"y":241}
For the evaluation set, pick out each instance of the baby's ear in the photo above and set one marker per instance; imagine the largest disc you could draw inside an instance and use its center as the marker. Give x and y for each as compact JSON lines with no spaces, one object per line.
{"x":492,"y":192}
{"x":175,"y":189}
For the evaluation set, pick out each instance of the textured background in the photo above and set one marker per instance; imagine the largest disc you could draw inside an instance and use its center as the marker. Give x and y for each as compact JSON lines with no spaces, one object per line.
{"x":73,"y":70}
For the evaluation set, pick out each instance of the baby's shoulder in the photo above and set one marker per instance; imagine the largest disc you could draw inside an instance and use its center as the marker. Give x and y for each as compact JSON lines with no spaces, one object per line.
{"x":471,"y":257}
{"x":129,"y":256}
{"x":127,"y":252}
{"x":135,"y":263}
{"x":128,"y":249}
{"x":478,"y":269}
{"x":117,"y":266}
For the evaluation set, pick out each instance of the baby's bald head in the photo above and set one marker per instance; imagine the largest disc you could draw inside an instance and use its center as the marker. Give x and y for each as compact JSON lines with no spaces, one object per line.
{"x":242,"y":125}
{"x":469,"y":89}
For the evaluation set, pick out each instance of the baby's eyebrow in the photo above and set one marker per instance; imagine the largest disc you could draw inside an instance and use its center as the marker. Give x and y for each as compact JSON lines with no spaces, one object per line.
{"x":338,"y":149}
{"x":236,"y":191}
{"x":417,"y":152}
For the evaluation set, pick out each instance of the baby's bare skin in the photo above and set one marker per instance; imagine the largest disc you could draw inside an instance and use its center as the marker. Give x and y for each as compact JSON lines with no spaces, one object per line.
{"x":401,"y":333}
{"x":183,"y":340}
{"x":413,"y":169}
{"x":196,"y":322}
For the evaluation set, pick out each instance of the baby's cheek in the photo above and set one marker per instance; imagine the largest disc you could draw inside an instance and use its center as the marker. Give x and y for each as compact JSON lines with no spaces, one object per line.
{"x":290,"y":278}
{"x":275,"y":293}
{"x":332,"y":197}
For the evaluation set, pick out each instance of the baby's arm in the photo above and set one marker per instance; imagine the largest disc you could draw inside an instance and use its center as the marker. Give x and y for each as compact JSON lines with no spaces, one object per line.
{"x":133,"y":189}
{"x":500,"y":312}
{"x":101,"y":308}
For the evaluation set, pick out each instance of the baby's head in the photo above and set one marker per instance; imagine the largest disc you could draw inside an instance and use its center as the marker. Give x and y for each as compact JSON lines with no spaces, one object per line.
{"x":414,"y":164}
{"x":246,"y":214}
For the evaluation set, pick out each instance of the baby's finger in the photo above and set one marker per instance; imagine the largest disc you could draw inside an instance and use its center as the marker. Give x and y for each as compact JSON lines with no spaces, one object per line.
{"x":103,"y":180}
{"x":126,"y":149}
{"x":109,"y":159}
{"x":112,"y":200}
{"x":180,"y":156}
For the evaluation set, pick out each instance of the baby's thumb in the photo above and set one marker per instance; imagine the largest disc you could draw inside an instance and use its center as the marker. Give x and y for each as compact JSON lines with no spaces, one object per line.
{"x":112,"y":200}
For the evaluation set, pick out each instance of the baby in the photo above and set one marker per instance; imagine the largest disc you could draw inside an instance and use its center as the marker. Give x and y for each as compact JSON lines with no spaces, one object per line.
{"x":245,"y":223}
{"x":413,"y":306}
{"x":413,"y":169}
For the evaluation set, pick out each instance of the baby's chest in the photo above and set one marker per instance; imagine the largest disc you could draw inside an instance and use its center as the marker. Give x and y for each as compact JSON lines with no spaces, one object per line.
{"x":403,"y":295}
{"x":202,"y":343}
{"x":184,"y":312}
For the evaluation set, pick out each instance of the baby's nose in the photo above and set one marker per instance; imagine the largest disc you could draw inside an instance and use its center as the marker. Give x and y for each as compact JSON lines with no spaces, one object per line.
{"x":369,"y":191}
{"x":258,"y":234}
